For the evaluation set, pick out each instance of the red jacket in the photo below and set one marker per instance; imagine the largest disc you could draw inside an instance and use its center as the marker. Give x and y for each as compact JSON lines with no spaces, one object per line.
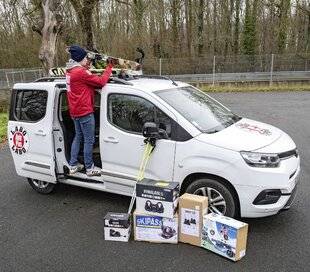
{"x":81,"y":85}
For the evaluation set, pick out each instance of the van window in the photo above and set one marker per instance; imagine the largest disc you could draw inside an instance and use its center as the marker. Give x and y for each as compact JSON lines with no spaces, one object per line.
{"x":205,"y":113}
{"x":30,"y":105}
{"x":130,"y":112}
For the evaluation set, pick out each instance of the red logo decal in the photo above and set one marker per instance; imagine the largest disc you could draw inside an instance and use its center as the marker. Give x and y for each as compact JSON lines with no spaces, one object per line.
{"x":19,"y":140}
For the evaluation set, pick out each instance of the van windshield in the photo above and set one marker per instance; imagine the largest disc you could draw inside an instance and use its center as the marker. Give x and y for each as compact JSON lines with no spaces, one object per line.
{"x":201,"y":110}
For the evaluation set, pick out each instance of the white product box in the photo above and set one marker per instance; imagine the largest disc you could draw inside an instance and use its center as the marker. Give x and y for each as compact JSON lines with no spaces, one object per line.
{"x":155,"y":228}
{"x":117,"y":227}
{"x":158,"y":198}
{"x":224,"y":236}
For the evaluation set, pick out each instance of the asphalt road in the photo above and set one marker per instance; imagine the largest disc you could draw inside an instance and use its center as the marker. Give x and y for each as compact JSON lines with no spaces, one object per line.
{"x":64,"y":231}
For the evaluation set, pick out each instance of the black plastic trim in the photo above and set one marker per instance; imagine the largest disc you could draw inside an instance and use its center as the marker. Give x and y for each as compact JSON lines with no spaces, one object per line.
{"x":83,"y":179}
{"x":288,"y":154}
{"x":38,"y":165}
{"x":274,"y":196}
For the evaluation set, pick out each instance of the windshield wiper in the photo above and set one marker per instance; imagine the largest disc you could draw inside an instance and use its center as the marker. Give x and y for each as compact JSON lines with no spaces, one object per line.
{"x":211,"y":131}
{"x":236,"y":118}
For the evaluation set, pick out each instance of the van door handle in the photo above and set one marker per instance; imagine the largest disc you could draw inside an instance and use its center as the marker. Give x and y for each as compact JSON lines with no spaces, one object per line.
{"x":110,"y":140}
{"x":40,"y":133}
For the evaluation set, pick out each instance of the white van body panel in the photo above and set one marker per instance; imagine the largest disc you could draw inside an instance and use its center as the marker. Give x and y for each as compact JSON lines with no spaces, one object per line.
{"x":121,"y":151}
{"x":245,"y":135}
{"x":37,"y":162}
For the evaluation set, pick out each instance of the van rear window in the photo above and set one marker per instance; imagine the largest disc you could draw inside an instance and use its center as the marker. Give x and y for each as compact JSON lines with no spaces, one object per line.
{"x":30,"y":105}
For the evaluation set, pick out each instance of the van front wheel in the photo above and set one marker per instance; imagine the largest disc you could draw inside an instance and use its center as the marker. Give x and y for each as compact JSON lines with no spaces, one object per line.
{"x":41,"y":187}
{"x":220,"y":198}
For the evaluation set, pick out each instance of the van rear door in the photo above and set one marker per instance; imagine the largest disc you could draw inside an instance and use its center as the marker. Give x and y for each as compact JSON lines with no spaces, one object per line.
{"x":30,"y":130}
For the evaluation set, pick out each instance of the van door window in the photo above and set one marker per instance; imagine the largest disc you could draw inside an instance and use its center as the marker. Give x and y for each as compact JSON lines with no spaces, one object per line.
{"x":30,"y":105}
{"x":130,"y":112}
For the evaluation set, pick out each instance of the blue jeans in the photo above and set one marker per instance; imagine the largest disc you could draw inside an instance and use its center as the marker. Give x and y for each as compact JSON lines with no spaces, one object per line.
{"x":84,"y":129}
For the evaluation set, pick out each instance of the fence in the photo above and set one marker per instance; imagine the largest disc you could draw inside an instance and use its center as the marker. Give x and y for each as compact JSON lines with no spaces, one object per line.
{"x":228,"y":64}
{"x":212,"y":69}
{"x":8,"y":77}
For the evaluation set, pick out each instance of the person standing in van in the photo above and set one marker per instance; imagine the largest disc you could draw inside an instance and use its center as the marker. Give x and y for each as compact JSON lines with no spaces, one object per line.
{"x":81,"y":85}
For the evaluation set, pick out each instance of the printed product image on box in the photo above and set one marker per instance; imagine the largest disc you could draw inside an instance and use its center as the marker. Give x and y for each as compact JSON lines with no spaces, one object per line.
{"x":190,"y":224}
{"x":157,"y":197}
{"x":224,"y":236}
{"x":117,"y":227}
{"x":222,"y":239}
{"x":155,"y":228}
{"x":192,"y":208}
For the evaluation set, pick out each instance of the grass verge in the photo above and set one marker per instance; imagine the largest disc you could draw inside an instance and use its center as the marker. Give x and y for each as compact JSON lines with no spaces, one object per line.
{"x":3,"y":126}
{"x":257,"y":88}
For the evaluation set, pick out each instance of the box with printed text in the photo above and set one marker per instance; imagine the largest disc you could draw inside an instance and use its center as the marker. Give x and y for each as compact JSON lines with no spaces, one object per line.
{"x":157,"y":197}
{"x":224,"y":236}
{"x":155,"y":229}
{"x":117,"y":227}
{"x":192,"y":208}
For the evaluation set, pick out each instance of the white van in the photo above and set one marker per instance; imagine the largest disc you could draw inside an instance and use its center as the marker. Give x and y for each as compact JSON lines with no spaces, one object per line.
{"x":246,"y":168}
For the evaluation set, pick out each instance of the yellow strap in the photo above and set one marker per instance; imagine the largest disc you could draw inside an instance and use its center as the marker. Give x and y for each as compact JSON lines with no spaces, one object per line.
{"x":146,"y":156}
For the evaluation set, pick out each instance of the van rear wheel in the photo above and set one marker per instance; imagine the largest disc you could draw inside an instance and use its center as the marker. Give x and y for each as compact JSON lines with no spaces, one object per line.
{"x":220,"y":199}
{"x":41,"y":187}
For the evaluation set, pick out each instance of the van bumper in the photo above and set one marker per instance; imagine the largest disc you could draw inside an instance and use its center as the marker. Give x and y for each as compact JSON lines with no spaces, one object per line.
{"x":250,"y":193}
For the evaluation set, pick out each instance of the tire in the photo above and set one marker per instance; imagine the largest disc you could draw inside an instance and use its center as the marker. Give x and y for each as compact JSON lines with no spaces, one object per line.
{"x":41,"y":187}
{"x":225,"y":202}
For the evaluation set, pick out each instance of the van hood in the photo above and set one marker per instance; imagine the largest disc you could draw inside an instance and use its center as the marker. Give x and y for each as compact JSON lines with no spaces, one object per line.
{"x":245,"y":135}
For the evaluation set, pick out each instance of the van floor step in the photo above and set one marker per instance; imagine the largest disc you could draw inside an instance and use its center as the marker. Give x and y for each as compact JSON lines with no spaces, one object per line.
{"x":84,"y":178}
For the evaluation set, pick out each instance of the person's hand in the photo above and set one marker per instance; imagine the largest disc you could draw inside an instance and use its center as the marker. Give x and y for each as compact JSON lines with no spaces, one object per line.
{"x":112,"y":61}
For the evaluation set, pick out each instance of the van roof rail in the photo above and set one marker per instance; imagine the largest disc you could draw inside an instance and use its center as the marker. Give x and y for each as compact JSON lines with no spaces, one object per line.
{"x":119,"y":80}
{"x":157,"y":77}
{"x":111,"y":80}
{"x":49,"y":79}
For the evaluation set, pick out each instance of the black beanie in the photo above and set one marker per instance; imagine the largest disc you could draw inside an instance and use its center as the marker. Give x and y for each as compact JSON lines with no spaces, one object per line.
{"x":77,"y":53}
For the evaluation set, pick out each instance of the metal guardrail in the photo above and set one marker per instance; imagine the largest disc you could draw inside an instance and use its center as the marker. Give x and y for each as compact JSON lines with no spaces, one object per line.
{"x":9,"y":77}
{"x":245,"y":77}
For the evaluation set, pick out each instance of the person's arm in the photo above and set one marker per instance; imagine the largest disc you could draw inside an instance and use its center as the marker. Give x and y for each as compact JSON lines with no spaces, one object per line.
{"x":95,"y":80}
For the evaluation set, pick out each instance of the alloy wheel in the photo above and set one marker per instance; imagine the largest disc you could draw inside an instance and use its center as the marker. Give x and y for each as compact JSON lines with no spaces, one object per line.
{"x":40,"y":184}
{"x":216,"y":202}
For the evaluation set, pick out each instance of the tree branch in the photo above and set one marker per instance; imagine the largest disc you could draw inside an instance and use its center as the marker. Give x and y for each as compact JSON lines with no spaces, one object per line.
{"x":123,"y":2}
{"x":37,"y":29}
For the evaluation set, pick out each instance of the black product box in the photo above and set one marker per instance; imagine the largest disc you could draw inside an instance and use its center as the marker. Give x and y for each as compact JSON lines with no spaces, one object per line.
{"x":156,"y":197}
{"x":117,"y":226}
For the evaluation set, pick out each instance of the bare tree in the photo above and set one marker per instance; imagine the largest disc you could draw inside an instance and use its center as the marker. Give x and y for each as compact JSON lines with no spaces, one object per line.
{"x":84,"y":10}
{"x":49,"y":28}
{"x":189,"y":26}
{"x":200,"y":19}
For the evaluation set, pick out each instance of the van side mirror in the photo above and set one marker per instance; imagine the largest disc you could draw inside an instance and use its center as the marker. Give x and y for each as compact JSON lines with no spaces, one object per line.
{"x":150,"y":130}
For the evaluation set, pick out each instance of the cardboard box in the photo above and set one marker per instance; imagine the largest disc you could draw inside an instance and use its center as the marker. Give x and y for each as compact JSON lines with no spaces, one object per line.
{"x":117,"y":227}
{"x":224,"y":236}
{"x":157,"y":197}
{"x":155,"y":229}
{"x":192,"y":208}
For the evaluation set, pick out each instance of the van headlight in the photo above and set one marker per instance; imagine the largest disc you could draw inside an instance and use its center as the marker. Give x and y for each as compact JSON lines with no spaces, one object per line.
{"x":256,"y":159}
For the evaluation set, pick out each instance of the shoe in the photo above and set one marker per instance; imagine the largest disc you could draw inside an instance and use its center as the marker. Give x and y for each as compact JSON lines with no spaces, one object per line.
{"x":93,"y":171}
{"x":76,"y":168}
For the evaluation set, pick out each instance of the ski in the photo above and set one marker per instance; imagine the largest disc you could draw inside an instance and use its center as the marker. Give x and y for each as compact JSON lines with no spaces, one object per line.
{"x":100,"y":62}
